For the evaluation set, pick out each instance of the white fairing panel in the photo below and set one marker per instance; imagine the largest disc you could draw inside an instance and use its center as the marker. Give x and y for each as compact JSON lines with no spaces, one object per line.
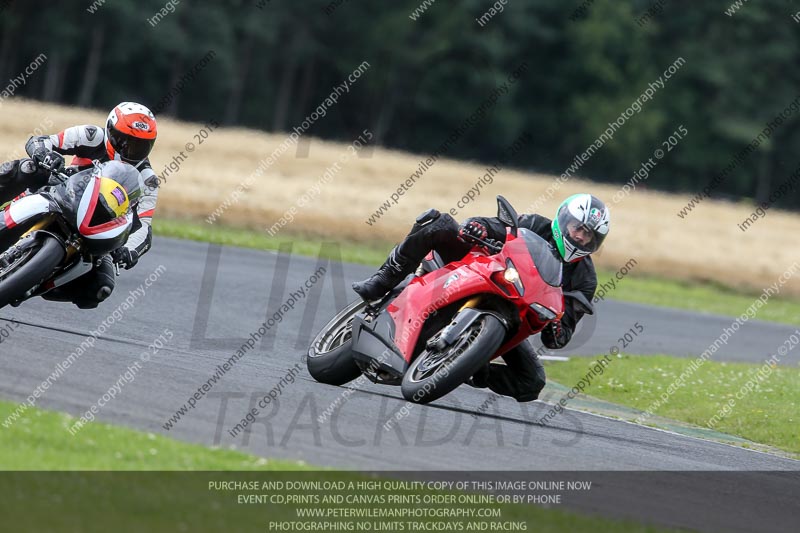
{"x":86,"y":199}
{"x":27,"y":207}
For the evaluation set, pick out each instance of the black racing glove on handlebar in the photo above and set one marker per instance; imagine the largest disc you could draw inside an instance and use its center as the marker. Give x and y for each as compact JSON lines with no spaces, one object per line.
{"x":555,"y":335}
{"x":48,"y":160}
{"x":125,"y":257}
{"x":468,"y":231}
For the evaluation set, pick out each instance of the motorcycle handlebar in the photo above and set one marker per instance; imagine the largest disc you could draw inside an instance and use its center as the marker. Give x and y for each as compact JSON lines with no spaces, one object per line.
{"x":61,"y":175}
{"x":53,"y":173}
{"x":492,"y":245}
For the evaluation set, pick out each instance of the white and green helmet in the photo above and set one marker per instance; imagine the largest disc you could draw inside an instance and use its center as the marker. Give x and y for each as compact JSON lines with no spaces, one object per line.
{"x":580,"y":213}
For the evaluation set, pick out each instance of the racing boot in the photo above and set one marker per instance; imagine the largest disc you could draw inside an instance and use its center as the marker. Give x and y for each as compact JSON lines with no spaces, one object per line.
{"x":392,"y":272}
{"x":104,"y":280}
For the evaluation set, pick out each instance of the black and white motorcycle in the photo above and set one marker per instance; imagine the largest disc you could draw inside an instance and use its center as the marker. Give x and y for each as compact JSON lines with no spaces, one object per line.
{"x":56,"y":234}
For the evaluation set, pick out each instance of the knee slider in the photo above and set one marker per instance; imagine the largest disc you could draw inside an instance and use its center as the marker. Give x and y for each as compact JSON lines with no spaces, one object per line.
{"x":427,"y":221}
{"x":427,"y":217}
{"x":27,"y":166}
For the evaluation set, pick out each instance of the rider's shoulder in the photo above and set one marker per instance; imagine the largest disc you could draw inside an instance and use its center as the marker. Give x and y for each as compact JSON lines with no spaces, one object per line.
{"x":534,"y":222}
{"x":151,"y":180}
{"x":587,"y":264}
{"x":90,"y":132}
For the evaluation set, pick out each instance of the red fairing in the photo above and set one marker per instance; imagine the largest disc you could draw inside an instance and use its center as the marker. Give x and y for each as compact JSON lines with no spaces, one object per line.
{"x":536,"y":291}
{"x":7,"y":220}
{"x":428,"y":293}
{"x":475,"y":274}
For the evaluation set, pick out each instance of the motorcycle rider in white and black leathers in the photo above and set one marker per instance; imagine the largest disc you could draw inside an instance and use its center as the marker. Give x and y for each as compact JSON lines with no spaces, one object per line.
{"x":581,"y":225}
{"x":129,"y":135}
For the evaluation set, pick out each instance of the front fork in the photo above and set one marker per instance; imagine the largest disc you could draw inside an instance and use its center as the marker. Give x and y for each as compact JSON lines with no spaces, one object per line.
{"x":11,"y":253}
{"x":465,"y":317}
{"x":71,"y":245}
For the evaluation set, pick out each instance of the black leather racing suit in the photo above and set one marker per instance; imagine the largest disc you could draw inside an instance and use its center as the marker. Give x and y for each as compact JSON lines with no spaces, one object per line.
{"x":86,"y":143}
{"x":523,"y":376}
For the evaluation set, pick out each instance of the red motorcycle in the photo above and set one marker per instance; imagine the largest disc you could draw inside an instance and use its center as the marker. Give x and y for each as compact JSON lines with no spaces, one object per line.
{"x":440,"y":326}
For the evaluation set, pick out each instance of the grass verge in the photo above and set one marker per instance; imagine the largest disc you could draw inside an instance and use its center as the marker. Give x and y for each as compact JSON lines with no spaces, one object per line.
{"x":640,"y":289}
{"x":706,"y":297}
{"x":715,"y":395}
{"x":368,"y":254}
{"x":174,"y":501}
{"x":40,"y":440}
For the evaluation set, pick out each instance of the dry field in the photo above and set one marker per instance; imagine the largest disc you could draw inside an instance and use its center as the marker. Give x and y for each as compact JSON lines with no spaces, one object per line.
{"x":707,"y":245}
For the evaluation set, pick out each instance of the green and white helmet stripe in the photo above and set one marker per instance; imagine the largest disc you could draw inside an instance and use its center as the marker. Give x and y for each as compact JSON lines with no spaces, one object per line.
{"x":580,"y":210}
{"x":558,"y":237}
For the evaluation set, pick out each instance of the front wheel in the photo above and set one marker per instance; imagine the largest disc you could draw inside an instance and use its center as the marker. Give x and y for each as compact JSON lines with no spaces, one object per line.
{"x":28,"y":265}
{"x":434,"y":374}
{"x":330,"y":359}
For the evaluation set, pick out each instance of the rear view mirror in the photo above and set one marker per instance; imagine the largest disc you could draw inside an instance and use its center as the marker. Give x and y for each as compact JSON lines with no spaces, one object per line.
{"x":580,"y":301}
{"x":507,"y":215}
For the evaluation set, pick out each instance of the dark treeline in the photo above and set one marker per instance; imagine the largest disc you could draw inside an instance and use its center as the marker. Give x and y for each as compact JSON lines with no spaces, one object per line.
{"x":275,"y":61}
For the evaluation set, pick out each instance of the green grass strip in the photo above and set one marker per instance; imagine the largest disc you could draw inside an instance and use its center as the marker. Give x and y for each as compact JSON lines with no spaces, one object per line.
{"x":716,"y":395}
{"x":177,"y":501}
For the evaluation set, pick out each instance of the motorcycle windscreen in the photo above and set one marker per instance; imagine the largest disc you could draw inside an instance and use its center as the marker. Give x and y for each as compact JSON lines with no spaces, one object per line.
{"x":539,"y":267}
{"x":544,"y":256}
{"x":103,"y":216}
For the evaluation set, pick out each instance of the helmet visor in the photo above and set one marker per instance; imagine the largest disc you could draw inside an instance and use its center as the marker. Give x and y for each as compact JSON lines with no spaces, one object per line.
{"x":579,"y":233}
{"x":129,"y":148}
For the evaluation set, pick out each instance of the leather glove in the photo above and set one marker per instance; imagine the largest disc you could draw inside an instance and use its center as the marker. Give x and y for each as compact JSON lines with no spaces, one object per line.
{"x":48,"y":160}
{"x":555,"y":335}
{"x":468,"y":231}
{"x":125,"y":257}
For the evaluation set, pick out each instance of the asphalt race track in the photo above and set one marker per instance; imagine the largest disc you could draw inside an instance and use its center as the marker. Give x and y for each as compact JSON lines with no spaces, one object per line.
{"x":211,"y":299}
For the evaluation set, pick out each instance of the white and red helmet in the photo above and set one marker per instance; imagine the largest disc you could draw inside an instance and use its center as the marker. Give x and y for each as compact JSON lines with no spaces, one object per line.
{"x":130,"y":132}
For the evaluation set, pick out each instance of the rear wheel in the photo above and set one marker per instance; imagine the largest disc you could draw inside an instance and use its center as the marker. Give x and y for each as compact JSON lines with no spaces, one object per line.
{"x":435,"y":373}
{"x":330,"y":359}
{"x":28,"y":264}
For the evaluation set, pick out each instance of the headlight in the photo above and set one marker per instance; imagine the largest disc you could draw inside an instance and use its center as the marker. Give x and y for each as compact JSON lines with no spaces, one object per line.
{"x":512,"y":276}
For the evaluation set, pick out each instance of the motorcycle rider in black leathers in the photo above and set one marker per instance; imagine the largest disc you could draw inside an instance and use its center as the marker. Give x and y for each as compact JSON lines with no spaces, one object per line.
{"x":129,"y":136}
{"x":579,"y":228}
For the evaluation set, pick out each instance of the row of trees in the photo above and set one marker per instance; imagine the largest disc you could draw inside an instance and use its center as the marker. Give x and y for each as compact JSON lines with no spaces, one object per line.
{"x":274,"y":61}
